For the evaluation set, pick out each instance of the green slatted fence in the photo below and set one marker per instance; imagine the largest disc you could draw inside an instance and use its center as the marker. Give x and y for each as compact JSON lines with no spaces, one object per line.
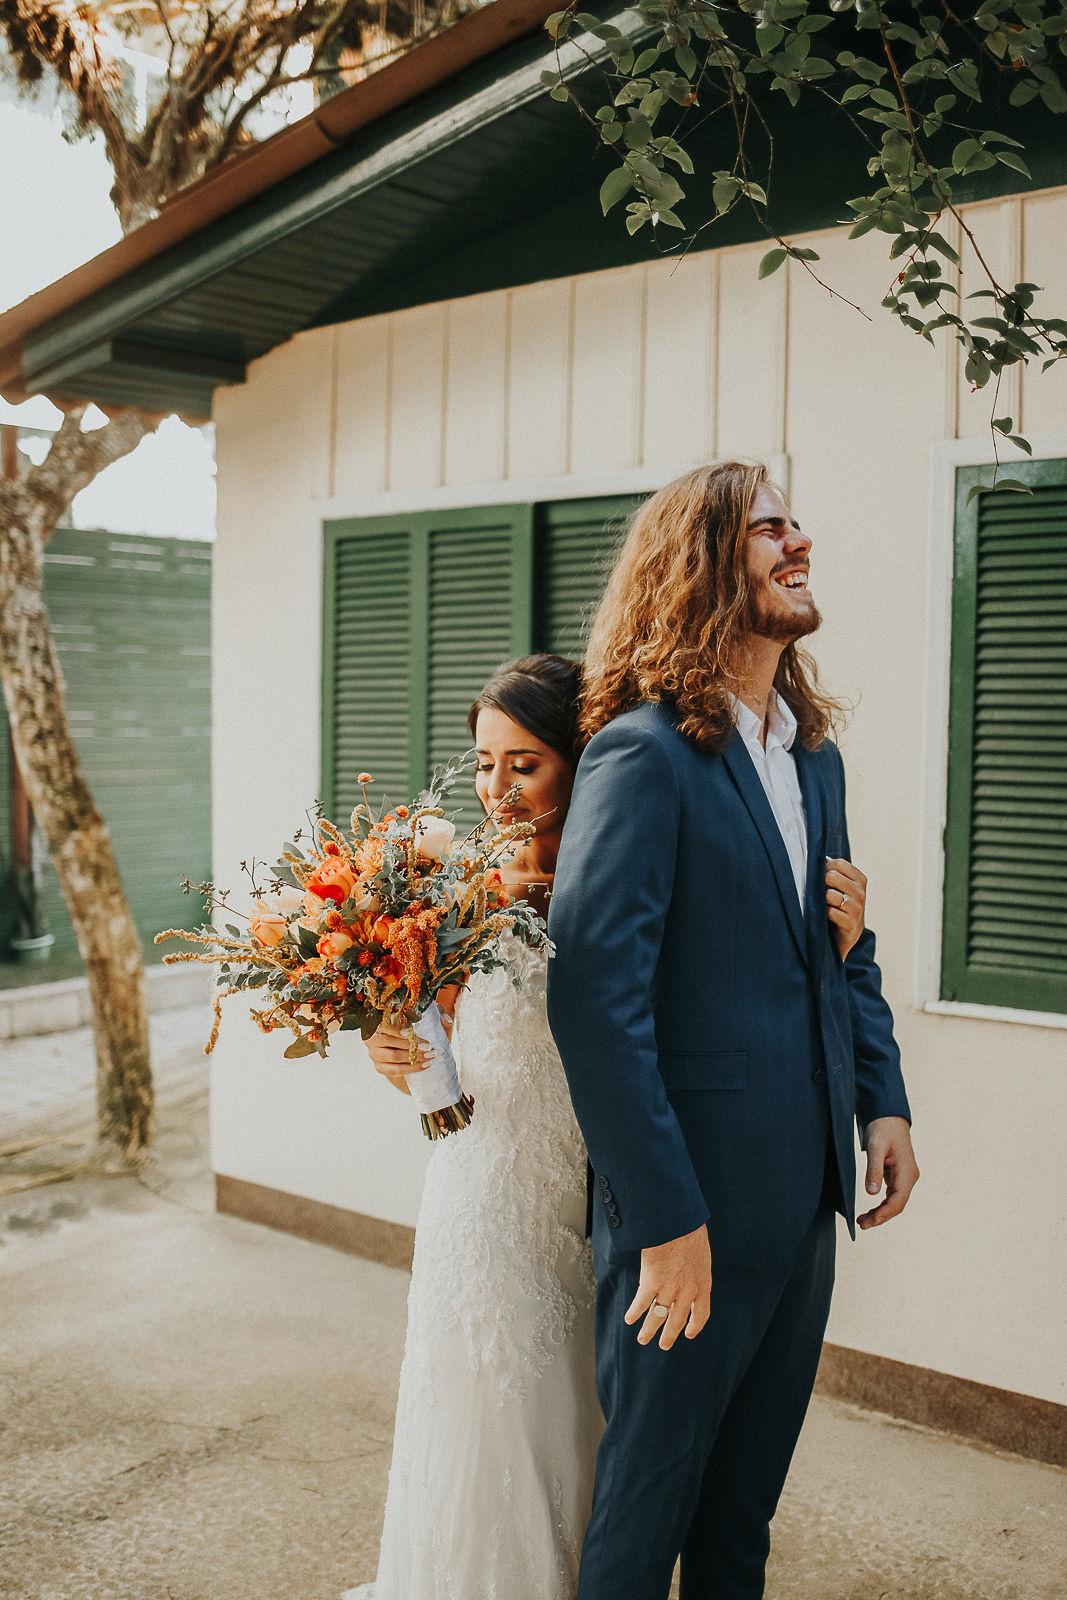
{"x":419,"y":609}
{"x":131,"y":620}
{"x":1005,"y":921}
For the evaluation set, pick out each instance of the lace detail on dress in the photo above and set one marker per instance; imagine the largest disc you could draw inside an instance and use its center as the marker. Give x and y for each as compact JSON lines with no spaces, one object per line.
{"x":512,"y":1186}
{"x":497,"y":1422}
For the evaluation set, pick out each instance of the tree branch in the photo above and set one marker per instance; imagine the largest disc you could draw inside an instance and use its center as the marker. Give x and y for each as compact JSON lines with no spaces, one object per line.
{"x":75,"y":459}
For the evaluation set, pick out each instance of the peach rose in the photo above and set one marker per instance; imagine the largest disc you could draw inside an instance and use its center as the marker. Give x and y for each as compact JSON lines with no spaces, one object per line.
{"x":284,"y":903}
{"x":434,"y":836}
{"x":332,"y":945}
{"x":268,"y":928}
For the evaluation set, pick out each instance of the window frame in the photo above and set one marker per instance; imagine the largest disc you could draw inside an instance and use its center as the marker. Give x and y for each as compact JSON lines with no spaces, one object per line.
{"x":525,"y":518}
{"x":961,"y":983}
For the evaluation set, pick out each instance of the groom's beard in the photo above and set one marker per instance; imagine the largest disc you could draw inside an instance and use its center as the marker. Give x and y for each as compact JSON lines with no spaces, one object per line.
{"x":774,"y":622}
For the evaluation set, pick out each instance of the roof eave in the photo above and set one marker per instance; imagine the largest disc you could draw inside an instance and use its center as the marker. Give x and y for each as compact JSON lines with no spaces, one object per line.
{"x":479,"y":34}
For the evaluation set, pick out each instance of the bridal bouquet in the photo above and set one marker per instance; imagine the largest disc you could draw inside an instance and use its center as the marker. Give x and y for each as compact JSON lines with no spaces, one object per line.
{"x":369,"y":925}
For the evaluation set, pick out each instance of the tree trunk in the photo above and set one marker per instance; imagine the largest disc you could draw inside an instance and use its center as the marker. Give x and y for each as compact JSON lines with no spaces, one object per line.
{"x":34,"y":692}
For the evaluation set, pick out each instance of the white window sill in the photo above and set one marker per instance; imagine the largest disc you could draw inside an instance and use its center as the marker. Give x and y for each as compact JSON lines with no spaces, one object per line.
{"x":1031,"y":1019}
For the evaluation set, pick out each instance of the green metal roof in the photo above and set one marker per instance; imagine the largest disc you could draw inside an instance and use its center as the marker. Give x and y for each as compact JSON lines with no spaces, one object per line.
{"x":481,"y":183}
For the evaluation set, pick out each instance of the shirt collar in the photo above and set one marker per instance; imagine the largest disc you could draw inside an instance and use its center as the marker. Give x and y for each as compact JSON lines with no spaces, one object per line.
{"x":781,"y":723}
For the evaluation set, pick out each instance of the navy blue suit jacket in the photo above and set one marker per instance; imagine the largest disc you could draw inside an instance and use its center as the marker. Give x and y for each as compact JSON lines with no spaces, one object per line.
{"x":713,"y":1040}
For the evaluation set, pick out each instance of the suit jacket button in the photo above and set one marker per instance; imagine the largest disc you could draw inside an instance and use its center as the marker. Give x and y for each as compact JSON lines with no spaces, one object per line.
{"x":819,"y":1075}
{"x":613,"y":1221}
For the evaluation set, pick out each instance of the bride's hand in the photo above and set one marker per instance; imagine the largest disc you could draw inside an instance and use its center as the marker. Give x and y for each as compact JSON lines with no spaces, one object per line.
{"x":389,"y":1048}
{"x":846,"y":902}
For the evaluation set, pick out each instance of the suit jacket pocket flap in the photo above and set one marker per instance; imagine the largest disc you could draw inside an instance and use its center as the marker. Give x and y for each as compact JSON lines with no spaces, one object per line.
{"x":704,"y":1070}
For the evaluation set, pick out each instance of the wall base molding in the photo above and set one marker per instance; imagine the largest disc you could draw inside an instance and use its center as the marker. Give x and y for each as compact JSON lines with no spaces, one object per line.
{"x":391,"y":1243}
{"x":1019,"y":1423}
{"x":1002,"y":1418}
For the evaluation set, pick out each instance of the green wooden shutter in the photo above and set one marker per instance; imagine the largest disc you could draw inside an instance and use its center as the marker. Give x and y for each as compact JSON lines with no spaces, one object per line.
{"x":367,"y":673}
{"x":417,"y":612}
{"x":477,"y":618}
{"x":576,"y":542}
{"x":1005,"y":922}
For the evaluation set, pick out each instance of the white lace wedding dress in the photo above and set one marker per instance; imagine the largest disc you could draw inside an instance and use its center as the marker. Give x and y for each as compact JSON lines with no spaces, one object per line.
{"x":497,"y":1421}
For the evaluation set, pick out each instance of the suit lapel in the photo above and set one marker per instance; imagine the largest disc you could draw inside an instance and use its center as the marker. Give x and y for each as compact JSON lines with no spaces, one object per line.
{"x":740,"y":767}
{"x":815,"y":820}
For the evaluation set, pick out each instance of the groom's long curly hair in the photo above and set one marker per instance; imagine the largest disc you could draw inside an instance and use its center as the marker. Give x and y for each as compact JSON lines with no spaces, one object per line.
{"x":673,"y":618}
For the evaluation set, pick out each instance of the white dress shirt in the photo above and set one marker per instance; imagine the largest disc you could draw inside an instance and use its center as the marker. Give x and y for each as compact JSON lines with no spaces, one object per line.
{"x":778,"y":774}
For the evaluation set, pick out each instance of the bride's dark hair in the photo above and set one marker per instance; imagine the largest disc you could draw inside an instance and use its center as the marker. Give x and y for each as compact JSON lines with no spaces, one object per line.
{"x":539,"y":692}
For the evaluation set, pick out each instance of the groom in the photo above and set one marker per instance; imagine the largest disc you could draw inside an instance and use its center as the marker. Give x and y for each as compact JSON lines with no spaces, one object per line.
{"x":716,"y":1044}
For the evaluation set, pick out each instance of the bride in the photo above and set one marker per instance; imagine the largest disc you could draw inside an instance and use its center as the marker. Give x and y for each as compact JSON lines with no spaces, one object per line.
{"x":497,"y":1420}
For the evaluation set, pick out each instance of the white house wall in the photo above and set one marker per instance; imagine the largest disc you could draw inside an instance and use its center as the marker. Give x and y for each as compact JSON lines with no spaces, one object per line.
{"x":613,"y":381}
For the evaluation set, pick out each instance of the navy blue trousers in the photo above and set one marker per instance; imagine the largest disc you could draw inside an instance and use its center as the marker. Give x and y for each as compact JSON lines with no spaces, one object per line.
{"x":699,"y":1438}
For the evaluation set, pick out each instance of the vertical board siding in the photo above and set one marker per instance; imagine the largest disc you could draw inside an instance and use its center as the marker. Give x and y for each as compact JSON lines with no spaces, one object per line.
{"x":475,"y":401}
{"x":361,"y":421}
{"x":131,"y":621}
{"x":1044,"y":403}
{"x":417,"y":420}
{"x":1006,"y":842}
{"x":538,"y":387}
{"x":752,"y":335}
{"x":606,"y":371}
{"x":997,"y":230}
{"x":679,"y":360}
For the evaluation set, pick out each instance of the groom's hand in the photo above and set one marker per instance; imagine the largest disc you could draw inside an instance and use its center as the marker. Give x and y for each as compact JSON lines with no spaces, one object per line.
{"x":890,"y":1158}
{"x":676,"y":1275}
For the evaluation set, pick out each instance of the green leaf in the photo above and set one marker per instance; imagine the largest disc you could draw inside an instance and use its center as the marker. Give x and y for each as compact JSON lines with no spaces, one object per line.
{"x":555,"y":26}
{"x":855,"y":91}
{"x":646,"y":59}
{"x":755,"y":191}
{"x":964,"y":152}
{"x":235,"y":933}
{"x":864,"y":225}
{"x":667,"y":219}
{"x":1022,"y":94}
{"x":687,"y":61}
{"x":724,"y":192}
{"x":771,"y":262}
{"x":769,"y":36}
{"x":1008,"y":158}
{"x":618,"y":183}
{"x":1002,"y":424}
{"x":1021,"y":443}
{"x":303,"y":1046}
{"x":883,"y":97}
{"x":934,"y":241}
{"x":804,"y":254}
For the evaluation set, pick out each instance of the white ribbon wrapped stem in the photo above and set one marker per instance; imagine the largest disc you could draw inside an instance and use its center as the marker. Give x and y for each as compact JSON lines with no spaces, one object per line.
{"x":437,"y":1086}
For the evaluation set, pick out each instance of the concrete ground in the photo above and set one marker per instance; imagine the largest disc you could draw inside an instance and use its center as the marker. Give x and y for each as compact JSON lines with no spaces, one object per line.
{"x":195,"y":1408}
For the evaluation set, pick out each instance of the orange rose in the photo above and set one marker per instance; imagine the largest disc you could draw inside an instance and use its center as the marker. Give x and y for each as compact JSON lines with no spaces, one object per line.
{"x":334,"y":881}
{"x":268,"y":929}
{"x":332,"y":945}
